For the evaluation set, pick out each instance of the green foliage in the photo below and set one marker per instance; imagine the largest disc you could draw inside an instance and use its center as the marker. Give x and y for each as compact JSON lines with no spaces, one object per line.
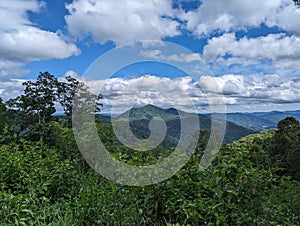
{"x":25,"y":168}
{"x":231,"y":192}
{"x":63,"y":139}
{"x":19,"y":121}
{"x":287,"y":122}
{"x":30,"y":113}
{"x":285,"y":148}
{"x":33,"y":182}
{"x":44,"y":188}
{"x":73,"y":91}
{"x":39,"y":96}
{"x":3,"y":116}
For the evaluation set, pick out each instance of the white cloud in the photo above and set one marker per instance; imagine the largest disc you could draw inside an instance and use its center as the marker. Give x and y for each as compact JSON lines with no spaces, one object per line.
{"x":22,"y":42}
{"x":227,"y":84}
{"x":153,"y":54}
{"x":9,"y":68}
{"x":286,"y":17}
{"x":134,"y":20}
{"x":232,"y":15}
{"x":272,"y":46}
{"x":14,"y":12}
{"x":123,"y":94}
{"x":254,"y":89}
{"x":238,"y":92}
{"x":183,"y":57}
{"x":33,"y":44}
{"x":122,"y":21}
{"x":11,"y":88}
{"x":282,"y":50}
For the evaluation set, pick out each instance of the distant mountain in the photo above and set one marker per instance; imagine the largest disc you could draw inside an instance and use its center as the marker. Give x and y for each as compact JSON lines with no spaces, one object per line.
{"x":276,"y":116}
{"x":258,"y":121}
{"x":104,"y":118}
{"x":149,"y":111}
{"x":251,"y":121}
{"x":139,"y":119}
{"x":237,"y":124}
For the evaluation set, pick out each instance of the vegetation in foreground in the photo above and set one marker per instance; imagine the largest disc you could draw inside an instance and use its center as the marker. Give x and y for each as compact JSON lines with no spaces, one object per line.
{"x":45,"y":181}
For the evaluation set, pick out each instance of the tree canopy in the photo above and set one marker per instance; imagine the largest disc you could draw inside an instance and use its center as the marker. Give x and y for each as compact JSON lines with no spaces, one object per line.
{"x":31,"y":112}
{"x":285,"y":147}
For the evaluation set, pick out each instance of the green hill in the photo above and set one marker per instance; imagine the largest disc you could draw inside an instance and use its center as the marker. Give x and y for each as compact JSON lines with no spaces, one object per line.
{"x":139,"y":119}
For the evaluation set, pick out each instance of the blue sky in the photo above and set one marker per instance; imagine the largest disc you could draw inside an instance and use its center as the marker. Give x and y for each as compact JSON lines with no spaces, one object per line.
{"x":251,"y":49}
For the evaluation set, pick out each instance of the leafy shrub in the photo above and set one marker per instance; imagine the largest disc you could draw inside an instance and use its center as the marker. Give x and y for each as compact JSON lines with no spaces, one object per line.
{"x":241,"y":187}
{"x":31,"y":178}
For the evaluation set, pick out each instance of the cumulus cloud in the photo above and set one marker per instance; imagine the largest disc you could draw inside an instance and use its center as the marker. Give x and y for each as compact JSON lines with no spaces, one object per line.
{"x":237,"y":92}
{"x":254,"y":89}
{"x":122,"y":21}
{"x":231,"y":15}
{"x":8,"y":68}
{"x":32,"y":44}
{"x":183,"y":57}
{"x":11,"y":88}
{"x":272,"y":46}
{"x":22,"y":42}
{"x":134,"y":20}
{"x":122,"y":94}
{"x":225,"y":85}
{"x":280,"y":49}
{"x":286,"y":17}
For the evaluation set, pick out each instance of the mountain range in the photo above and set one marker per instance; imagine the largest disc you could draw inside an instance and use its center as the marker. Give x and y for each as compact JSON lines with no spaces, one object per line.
{"x":237,"y":124}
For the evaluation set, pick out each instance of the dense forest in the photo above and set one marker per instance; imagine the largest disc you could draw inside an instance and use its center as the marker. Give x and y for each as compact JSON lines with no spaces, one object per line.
{"x":45,"y":181}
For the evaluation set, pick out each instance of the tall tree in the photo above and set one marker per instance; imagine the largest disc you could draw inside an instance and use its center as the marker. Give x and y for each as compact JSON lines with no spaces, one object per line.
{"x":19,"y":119}
{"x":3,"y":115}
{"x":31,"y":112}
{"x":36,"y":106}
{"x":73,"y":90}
{"x":288,"y":122}
{"x":41,"y":96}
{"x":285,"y":148}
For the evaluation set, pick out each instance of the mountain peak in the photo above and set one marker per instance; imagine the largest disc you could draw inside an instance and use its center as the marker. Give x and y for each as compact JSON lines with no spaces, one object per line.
{"x":150,"y":106}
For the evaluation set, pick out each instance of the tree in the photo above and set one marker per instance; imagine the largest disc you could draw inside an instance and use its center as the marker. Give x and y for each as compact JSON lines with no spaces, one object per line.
{"x":285,"y":148}
{"x":18,"y":118}
{"x":30,"y":114}
{"x":3,"y":116}
{"x":40,"y":96}
{"x":287,"y":122}
{"x":35,"y":107}
{"x":73,"y":90}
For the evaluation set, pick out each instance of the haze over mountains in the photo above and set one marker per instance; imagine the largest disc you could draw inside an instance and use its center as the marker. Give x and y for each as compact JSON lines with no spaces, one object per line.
{"x":259,"y":120}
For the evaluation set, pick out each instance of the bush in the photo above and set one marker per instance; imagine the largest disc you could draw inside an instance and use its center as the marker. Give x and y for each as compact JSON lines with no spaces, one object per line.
{"x":240,"y":188}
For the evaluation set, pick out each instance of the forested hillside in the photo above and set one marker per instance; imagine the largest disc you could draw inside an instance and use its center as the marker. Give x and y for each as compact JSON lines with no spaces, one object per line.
{"x":140,"y":117}
{"x":45,"y":180}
